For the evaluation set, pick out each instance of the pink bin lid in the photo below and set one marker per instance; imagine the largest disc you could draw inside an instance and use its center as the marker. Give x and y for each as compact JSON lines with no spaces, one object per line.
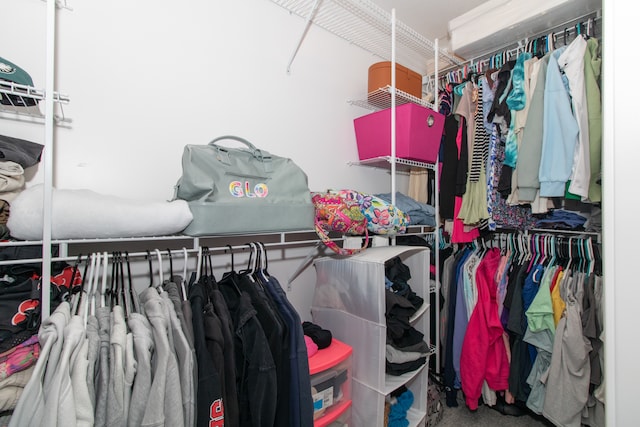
{"x":329,"y":357}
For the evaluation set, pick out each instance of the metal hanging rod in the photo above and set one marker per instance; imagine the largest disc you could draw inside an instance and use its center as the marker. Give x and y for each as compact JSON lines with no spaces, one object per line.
{"x":569,"y":28}
{"x":195,"y":249}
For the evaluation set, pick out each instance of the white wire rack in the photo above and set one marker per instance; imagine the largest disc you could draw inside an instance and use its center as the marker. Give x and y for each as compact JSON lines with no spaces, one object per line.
{"x":385,"y":162}
{"x":380,"y":99}
{"x":19,"y":101}
{"x":367,"y":25}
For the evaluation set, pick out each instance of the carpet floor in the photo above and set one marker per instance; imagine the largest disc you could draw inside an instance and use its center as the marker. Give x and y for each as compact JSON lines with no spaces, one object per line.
{"x":485,"y":416}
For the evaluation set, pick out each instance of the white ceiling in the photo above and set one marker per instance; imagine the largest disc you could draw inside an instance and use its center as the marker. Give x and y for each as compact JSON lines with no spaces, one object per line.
{"x":429,"y":17}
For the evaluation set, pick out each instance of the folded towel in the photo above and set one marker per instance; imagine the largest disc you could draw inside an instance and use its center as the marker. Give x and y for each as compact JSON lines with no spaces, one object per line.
{"x":84,"y":214}
{"x":11,"y":177}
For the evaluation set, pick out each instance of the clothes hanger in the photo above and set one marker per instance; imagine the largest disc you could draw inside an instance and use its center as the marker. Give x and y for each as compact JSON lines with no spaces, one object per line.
{"x":264,"y":270}
{"x":552,"y":249}
{"x":233,"y":269}
{"x":170,"y":264}
{"x":583,"y":255}
{"x":121,"y":296}
{"x":148,"y":257}
{"x":77,"y":301}
{"x":199,"y":263}
{"x":534,"y":252}
{"x":261,"y":274}
{"x":75,"y":272}
{"x":134,"y":300}
{"x":570,"y":249}
{"x":113,"y":289}
{"x":248,"y":271}
{"x":90,"y":308}
{"x":542,"y":249}
{"x":103,"y":288}
{"x":231,"y":279}
{"x":124,"y":288}
{"x":185,"y":254}
{"x":87,"y":291}
{"x":590,"y":257}
{"x":160,"y":270}
{"x":205,"y":256}
{"x":591,"y":27}
{"x":257,"y":263}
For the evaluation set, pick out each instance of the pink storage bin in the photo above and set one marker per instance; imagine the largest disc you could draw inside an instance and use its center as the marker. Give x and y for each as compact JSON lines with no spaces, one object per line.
{"x":418,"y":133}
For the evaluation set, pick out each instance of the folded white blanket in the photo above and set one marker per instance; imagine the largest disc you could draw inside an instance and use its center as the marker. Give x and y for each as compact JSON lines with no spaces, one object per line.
{"x":84,"y":214}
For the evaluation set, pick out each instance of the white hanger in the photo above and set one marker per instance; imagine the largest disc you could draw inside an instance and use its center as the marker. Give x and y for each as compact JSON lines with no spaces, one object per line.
{"x":160,"y":273}
{"x":94,"y":289}
{"x":93,"y":275}
{"x":590,"y":256}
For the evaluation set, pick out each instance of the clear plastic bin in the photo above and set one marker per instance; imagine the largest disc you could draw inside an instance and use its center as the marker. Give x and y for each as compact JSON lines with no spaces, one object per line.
{"x":330,"y":370}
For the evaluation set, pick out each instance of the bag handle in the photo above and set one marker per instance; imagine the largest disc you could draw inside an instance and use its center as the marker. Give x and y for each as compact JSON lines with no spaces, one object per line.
{"x":252,"y":147}
{"x":334,"y":246}
{"x":261,"y":155}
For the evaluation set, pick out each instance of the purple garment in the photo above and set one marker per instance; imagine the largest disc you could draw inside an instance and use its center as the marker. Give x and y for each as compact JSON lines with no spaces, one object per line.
{"x":502,"y":214}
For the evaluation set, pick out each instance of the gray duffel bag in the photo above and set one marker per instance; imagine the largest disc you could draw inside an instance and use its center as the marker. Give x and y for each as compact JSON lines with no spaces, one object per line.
{"x":242,"y":190}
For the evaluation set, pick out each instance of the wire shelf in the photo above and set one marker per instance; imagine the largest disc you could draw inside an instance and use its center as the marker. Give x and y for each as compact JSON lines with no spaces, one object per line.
{"x":402,"y":165}
{"x":20,"y":101}
{"x":380,"y":99}
{"x":368,"y":26}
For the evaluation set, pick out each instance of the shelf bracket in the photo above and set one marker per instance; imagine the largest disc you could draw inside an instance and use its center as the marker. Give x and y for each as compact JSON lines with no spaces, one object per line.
{"x":304,"y":33}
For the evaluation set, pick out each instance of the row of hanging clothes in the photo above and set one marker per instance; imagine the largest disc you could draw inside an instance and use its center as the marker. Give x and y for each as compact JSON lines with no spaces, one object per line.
{"x":522,"y":137}
{"x":188,"y":350}
{"x":522,"y":326}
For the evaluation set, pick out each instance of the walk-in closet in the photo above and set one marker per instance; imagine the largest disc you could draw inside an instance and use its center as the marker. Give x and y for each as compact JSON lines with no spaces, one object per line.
{"x":495,"y":281}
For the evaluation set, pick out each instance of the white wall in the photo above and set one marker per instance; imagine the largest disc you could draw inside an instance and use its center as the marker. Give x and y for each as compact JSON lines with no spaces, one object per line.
{"x":620,"y":206}
{"x":145,"y":78}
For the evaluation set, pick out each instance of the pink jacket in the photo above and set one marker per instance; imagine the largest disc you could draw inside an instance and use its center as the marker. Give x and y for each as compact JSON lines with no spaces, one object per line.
{"x":484,"y":356}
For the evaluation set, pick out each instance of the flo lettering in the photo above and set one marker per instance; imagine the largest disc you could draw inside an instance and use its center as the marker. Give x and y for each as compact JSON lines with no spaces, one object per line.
{"x":243,"y":189}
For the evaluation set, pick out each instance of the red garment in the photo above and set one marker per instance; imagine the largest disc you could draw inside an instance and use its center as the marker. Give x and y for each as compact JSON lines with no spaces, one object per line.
{"x":484,"y":356}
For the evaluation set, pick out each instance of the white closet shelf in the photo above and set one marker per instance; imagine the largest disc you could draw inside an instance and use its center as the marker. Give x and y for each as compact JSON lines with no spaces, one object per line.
{"x":415,"y":417}
{"x":367,"y":25}
{"x":27,"y":95}
{"x":380,"y":99}
{"x":422,"y":310}
{"x":393,"y":382}
{"x":402,"y":165}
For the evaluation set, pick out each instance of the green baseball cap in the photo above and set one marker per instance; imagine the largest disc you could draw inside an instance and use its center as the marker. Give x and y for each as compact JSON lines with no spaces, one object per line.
{"x":11,"y":72}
